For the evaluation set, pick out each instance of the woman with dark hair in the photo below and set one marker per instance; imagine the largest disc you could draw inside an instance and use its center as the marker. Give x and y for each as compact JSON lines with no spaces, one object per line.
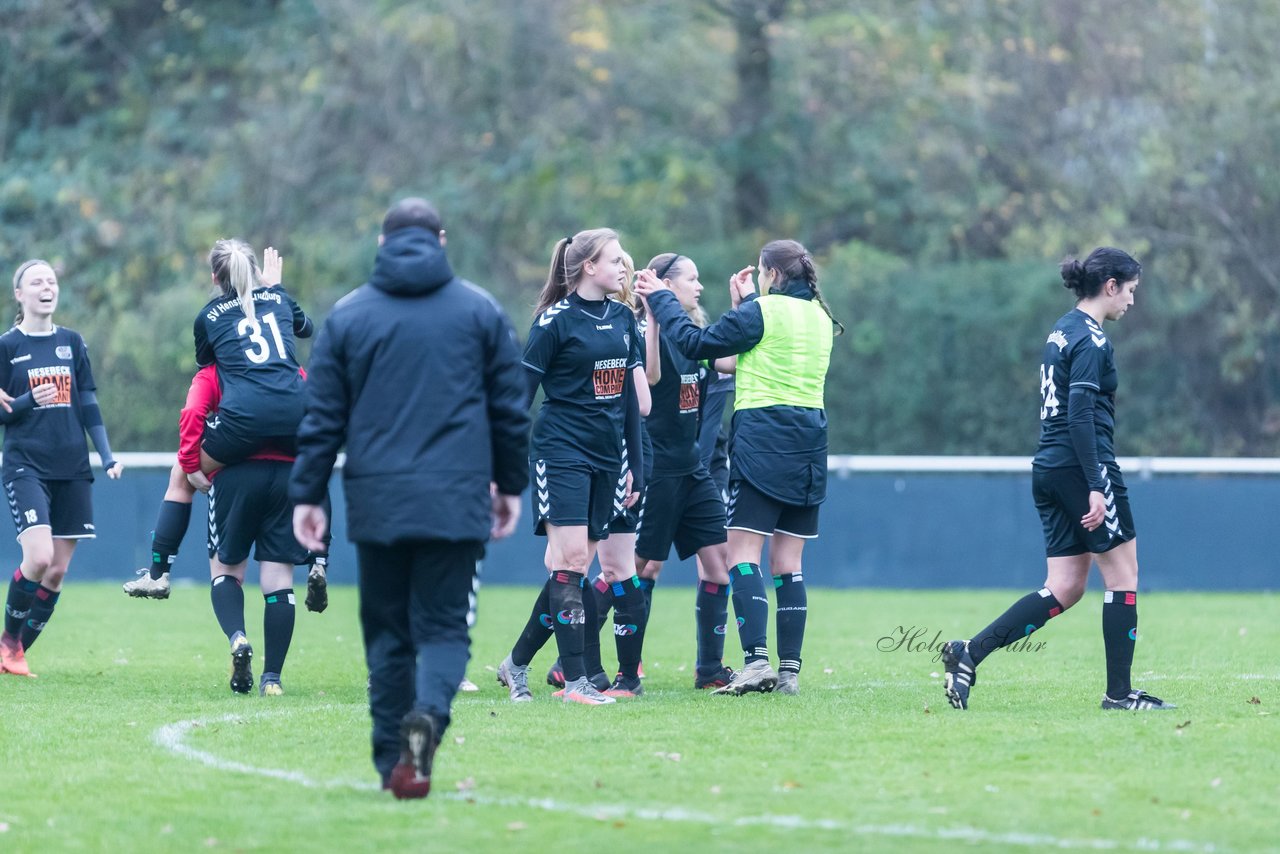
{"x":1078,"y":488}
{"x":778,"y":458}
{"x":47,"y":404}
{"x":585,"y":351}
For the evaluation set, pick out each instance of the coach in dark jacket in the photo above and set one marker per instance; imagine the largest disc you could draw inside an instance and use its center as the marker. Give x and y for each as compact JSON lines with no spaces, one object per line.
{"x":418,"y":374}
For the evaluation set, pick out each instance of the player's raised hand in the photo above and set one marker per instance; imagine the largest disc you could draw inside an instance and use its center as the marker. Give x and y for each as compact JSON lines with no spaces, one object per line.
{"x":272,"y":267}
{"x":647,"y":282}
{"x":741,"y":285}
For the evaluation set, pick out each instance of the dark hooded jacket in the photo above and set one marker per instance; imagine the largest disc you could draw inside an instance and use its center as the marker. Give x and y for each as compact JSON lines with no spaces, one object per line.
{"x":418,"y":374}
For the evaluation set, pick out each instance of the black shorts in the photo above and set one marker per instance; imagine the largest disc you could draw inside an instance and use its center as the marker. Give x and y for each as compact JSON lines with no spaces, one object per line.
{"x":228,"y":443}
{"x":752,"y":510}
{"x":65,"y":507}
{"x":684,"y":510}
{"x":1062,"y":497}
{"x":573,"y":493}
{"x":249,"y":506}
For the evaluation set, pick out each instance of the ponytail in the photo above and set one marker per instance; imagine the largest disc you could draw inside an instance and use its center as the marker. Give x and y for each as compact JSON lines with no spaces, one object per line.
{"x":243,"y":280}
{"x":793,"y":261}
{"x":235,"y":269}
{"x":556,"y":287}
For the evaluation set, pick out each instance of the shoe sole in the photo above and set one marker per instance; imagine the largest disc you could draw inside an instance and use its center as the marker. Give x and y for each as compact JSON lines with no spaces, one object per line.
{"x":317,"y":591}
{"x":148,"y":594}
{"x":623,"y":694}
{"x":242,"y":670}
{"x":763,"y":685}
{"x":587,"y":701}
{"x":417,"y":753}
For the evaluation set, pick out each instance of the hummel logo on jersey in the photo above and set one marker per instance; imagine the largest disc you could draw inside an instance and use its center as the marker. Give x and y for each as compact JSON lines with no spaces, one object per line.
{"x":603,"y":327}
{"x":550,"y":314}
{"x":26,"y":357}
{"x":1056,"y":337}
{"x":1095,"y":332}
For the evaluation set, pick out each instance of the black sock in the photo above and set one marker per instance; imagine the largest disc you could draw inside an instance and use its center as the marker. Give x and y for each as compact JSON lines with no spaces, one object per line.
{"x":18,"y":603}
{"x":792,"y":609}
{"x":599,"y":590}
{"x":751,"y":606}
{"x":277,"y":629}
{"x":228,"y":604}
{"x":711,"y":612}
{"x":171,"y":527}
{"x":628,"y":625}
{"x":591,"y":634}
{"x":569,"y":620}
{"x":1022,"y":618}
{"x":1119,"y":634}
{"x":537,"y":630}
{"x":41,"y":610}
{"x":646,"y":590}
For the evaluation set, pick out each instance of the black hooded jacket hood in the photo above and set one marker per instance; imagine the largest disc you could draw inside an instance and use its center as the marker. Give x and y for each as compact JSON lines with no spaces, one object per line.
{"x":410,"y":262}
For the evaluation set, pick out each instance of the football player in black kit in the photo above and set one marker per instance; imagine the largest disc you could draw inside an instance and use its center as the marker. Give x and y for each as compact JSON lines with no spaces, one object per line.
{"x":47,"y":403}
{"x":1078,"y":488}
{"x":248,"y":331}
{"x":585,"y":351}
{"x":682,"y":504}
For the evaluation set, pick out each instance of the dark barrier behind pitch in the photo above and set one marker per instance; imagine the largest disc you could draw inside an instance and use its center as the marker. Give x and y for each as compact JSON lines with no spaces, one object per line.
{"x":879,"y":529}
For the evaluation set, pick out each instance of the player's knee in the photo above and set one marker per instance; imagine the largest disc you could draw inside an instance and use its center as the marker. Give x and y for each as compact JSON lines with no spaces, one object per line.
{"x":649,"y":569}
{"x":53,"y":577}
{"x":37,"y":561}
{"x":1067,"y":594}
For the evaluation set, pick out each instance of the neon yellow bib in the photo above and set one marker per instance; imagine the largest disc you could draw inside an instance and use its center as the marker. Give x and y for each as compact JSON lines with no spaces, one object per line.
{"x":789,"y":365}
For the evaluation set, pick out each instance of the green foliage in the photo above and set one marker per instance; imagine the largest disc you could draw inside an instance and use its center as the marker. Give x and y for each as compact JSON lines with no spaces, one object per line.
{"x":939,"y":158}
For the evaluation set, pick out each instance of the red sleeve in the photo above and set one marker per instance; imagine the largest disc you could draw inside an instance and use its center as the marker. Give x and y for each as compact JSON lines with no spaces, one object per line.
{"x":202,"y":398}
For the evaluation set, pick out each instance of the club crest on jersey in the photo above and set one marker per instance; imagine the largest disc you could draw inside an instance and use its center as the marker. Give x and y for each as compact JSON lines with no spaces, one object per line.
{"x":1056,"y":337}
{"x":626,"y":340}
{"x":62,"y":351}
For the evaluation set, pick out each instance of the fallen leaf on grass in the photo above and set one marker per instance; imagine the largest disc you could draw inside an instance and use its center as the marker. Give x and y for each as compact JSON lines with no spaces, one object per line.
{"x":517,"y":825}
{"x":788,"y":785}
{"x":927,"y":711}
{"x":1254,"y":701}
{"x":1183,"y":725}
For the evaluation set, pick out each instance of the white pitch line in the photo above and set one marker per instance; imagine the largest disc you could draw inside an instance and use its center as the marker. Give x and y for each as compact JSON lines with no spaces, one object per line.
{"x":172,"y":737}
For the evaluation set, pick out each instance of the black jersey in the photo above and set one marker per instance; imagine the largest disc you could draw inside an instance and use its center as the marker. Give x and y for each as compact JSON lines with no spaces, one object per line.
{"x":673,"y":417}
{"x":262,"y":390}
{"x":583,"y":349}
{"x":47,"y":441}
{"x":1077,"y":354}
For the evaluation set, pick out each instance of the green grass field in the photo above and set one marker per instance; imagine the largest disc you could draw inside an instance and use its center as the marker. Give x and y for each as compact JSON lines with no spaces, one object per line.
{"x":131,"y":741}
